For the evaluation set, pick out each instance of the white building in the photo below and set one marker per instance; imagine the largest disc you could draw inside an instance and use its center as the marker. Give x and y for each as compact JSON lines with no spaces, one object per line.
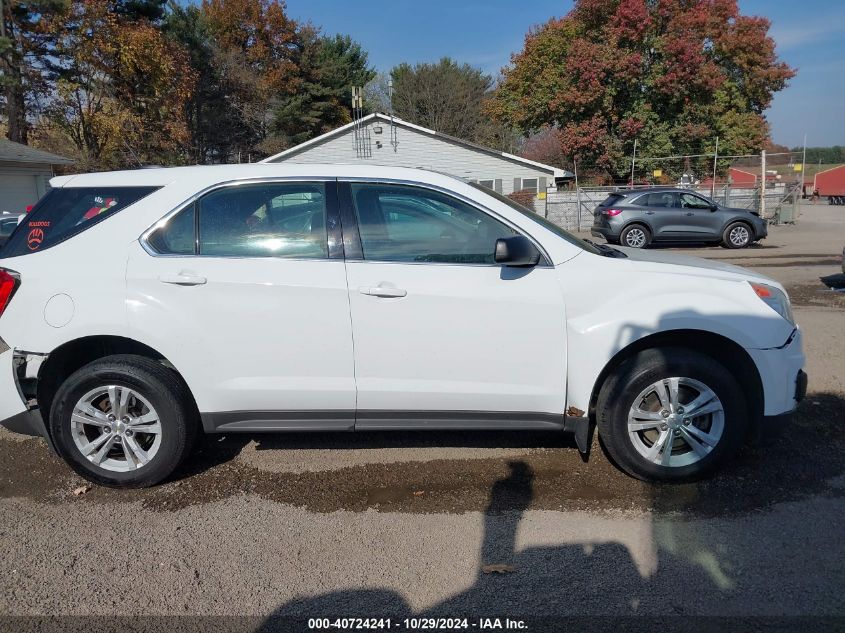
{"x":373,"y":141}
{"x":24,"y":175}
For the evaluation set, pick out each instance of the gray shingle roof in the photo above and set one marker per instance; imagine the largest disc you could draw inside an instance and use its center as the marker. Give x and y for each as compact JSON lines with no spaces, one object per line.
{"x":11,"y":152}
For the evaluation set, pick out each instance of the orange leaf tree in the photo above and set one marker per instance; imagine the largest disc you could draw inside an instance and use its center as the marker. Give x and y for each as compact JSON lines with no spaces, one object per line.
{"x":672,"y":75}
{"x":121,"y":90}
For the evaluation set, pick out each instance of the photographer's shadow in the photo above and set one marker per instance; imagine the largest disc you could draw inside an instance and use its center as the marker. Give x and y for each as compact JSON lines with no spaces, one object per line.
{"x":573,"y":579}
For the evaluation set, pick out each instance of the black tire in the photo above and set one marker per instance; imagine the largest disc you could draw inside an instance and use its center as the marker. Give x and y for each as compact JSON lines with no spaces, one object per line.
{"x":625,"y":384}
{"x":165,"y":391}
{"x":742,"y":228}
{"x":632,"y":231}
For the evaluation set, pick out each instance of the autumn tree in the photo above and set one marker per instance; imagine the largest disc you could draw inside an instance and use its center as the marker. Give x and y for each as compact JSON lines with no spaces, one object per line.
{"x":217,"y":131}
{"x":545,"y":146}
{"x":254,"y":49}
{"x":673,"y":75}
{"x":120,"y":88}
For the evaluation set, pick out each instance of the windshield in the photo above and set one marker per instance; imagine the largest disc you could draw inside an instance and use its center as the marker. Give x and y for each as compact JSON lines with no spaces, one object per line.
{"x":554,"y":228}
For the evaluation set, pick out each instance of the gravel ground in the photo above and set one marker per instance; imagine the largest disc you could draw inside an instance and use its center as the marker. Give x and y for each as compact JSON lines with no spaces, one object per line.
{"x":400,"y":525}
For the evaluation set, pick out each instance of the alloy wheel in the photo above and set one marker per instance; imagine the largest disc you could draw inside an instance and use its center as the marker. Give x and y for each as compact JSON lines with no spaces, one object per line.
{"x":635,"y":238}
{"x":116,"y":428}
{"x":739,"y":236}
{"x":676,"y":422}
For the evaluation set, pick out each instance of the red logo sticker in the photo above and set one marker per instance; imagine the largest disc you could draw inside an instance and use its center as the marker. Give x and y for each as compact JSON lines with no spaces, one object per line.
{"x":34,"y":239}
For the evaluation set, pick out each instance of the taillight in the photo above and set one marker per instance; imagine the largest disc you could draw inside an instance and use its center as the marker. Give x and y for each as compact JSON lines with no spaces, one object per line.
{"x":612,"y":212}
{"x":8,"y":284}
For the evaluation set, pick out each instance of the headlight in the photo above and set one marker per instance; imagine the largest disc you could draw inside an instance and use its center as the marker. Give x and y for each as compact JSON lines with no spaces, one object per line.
{"x":775,"y":298}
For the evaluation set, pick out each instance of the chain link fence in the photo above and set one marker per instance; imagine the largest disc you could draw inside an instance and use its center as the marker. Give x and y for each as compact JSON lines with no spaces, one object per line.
{"x":770,"y":184}
{"x":573,"y":210}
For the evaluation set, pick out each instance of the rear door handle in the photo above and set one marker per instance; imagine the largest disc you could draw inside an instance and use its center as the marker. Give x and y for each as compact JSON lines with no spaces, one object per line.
{"x":183,"y":279}
{"x":382,"y":291}
{"x":649,"y":212}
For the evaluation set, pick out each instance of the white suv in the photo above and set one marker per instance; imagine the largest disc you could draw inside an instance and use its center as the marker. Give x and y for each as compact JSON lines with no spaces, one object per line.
{"x":140,"y":308}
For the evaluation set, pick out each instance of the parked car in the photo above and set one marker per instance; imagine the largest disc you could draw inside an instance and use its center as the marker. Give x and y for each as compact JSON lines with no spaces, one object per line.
{"x":139,"y":309}
{"x":8,"y":223}
{"x":636,"y":218}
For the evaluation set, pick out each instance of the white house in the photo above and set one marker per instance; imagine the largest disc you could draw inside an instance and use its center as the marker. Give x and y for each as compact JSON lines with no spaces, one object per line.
{"x":379,"y":139}
{"x":24,"y":175}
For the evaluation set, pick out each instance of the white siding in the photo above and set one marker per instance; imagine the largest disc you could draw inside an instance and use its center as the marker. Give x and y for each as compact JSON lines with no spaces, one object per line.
{"x":421,"y":150}
{"x":22,"y":184}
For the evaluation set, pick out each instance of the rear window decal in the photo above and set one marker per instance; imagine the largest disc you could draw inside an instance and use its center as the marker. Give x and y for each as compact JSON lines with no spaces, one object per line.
{"x":34,"y":239}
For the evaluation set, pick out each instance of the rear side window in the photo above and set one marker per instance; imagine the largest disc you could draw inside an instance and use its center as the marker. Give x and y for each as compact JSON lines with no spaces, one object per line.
{"x":660,"y":199}
{"x":283,"y":219}
{"x":66,"y":212}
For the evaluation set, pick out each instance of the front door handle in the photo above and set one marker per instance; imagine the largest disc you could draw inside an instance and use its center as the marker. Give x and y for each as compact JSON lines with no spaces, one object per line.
{"x":690,"y":213}
{"x":382,"y":291}
{"x":183,"y":279}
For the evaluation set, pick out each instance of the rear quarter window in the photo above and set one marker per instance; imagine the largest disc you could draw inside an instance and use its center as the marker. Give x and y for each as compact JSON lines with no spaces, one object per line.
{"x":611,"y":199}
{"x":66,"y":212}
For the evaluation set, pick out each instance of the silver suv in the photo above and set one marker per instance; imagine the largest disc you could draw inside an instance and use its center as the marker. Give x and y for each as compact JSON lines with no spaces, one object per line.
{"x":636,"y":218}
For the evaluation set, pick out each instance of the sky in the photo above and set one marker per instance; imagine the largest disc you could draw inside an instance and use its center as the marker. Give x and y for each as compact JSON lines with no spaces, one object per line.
{"x":810,"y":36}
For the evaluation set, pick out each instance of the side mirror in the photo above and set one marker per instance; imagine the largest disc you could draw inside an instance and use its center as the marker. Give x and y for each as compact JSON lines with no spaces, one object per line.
{"x":714,"y":207}
{"x":516,"y":251}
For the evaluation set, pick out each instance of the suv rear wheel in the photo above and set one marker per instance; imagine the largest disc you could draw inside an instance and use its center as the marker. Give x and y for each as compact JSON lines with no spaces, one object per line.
{"x":671,"y":414}
{"x":123,"y":421}
{"x":635,"y":236}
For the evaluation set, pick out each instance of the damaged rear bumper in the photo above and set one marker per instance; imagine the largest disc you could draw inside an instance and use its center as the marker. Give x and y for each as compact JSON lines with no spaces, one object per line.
{"x":19,"y":410}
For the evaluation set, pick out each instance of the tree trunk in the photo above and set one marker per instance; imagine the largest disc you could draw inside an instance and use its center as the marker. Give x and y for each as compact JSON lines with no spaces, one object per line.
{"x":15,"y":107}
{"x":15,"y":104}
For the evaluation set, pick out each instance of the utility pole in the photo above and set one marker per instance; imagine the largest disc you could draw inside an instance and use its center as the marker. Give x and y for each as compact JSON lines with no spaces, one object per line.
{"x":715,"y":158}
{"x":803,"y":160}
{"x":2,"y":20}
{"x":577,"y":194}
{"x":633,"y":162}
{"x":763,"y":187}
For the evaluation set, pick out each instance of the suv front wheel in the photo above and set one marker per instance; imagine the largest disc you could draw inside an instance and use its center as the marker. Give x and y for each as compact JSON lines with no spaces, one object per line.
{"x":123,"y":421}
{"x":671,"y":414}
{"x":737,"y":235}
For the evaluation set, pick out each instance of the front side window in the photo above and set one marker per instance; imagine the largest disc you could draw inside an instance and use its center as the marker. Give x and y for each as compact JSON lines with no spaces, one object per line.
{"x":411,"y":224}
{"x":690,"y":201}
{"x":68,"y":211}
{"x":286,"y":220}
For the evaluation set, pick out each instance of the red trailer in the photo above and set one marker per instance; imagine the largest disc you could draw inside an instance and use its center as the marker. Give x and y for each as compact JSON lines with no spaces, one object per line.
{"x":830,"y":183}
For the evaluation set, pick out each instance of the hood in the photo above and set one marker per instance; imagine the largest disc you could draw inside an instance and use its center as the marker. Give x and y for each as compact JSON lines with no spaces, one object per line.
{"x":702,"y":267}
{"x":739,"y":210}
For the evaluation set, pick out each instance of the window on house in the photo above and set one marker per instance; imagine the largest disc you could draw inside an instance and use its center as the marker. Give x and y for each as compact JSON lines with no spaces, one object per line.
{"x":487,"y":183}
{"x":530,"y":184}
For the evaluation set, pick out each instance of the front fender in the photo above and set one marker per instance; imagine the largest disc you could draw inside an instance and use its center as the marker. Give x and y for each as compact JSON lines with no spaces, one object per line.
{"x":606,"y":314}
